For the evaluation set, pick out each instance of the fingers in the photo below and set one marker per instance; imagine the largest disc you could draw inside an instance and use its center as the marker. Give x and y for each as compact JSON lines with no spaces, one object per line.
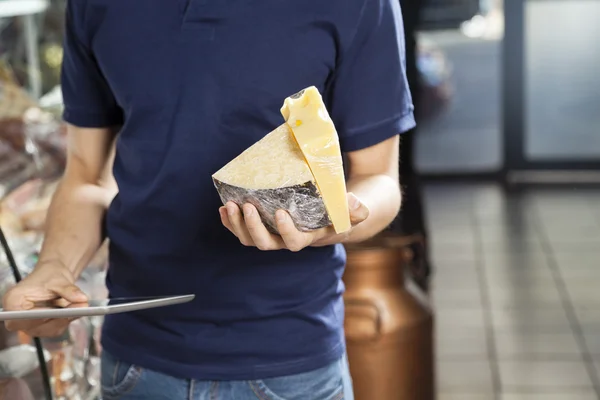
{"x":294,"y":239}
{"x":235,"y":223}
{"x":62,"y":303}
{"x":24,"y":325}
{"x":24,"y":298}
{"x":358,"y":210}
{"x":57,"y":294}
{"x":35,"y":327}
{"x":247,"y":225}
{"x":52,"y":328}
{"x":14,"y":299}
{"x":70,"y":293}
{"x":225,"y":219}
{"x":48,"y":286}
{"x":44,"y":327}
{"x":48,"y":328}
{"x":261,"y":237}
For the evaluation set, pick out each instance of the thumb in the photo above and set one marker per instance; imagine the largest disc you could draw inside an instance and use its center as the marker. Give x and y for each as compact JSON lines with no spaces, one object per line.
{"x":358,"y":210}
{"x":70,"y":292}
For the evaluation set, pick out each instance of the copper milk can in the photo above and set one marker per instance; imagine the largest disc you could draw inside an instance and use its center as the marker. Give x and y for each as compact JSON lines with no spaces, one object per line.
{"x":389,"y":329}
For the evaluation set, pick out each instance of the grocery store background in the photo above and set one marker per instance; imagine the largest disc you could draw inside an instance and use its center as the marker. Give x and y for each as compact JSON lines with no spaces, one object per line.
{"x":509,"y":146}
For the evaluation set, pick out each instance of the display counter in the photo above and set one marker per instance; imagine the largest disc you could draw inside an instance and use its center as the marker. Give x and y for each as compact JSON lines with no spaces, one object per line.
{"x":27,"y":9}
{"x":32,"y":160}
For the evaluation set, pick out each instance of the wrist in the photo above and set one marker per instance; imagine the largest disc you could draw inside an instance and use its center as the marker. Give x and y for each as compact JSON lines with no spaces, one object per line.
{"x":57,"y":266}
{"x":333,"y":238}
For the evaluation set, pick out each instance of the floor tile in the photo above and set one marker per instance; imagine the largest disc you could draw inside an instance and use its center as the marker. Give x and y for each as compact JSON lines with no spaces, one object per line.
{"x":560,"y":197}
{"x":499,"y":232}
{"x":458,"y":300}
{"x":532,"y":280}
{"x":467,"y":299}
{"x":597,"y":367}
{"x":519,"y":282}
{"x":440,"y":257}
{"x":466,"y":376}
{"x":531,"y":320}
{"x":507,"y":211}
{"x":587,"y":395}
{"x":575,"y":247}
{"x":465,"y":396}
{"x":449,"y":319}
{"x":452,"y":235}
{"x":453,"y":249}
{"x":505,"y":224}
{"x":511,"y":211}
{"x":497,"y":286}
{"x":584,"y":231}
{"x":580,"y":271}
{"x":455,"y":270}
{"x":461,"y":343}
{"x":579,"y":286}
{"x":586,"y":294}
{"x":537,"y":346}
{"x":509,"y":217}
{"x":568,"y":214}
{"x":543,"y":374}
{"x":449,"y":277}
{"x":577,"y":261}
{"x":449,"y":219}
{"x":517,"y":246}
{"x":456,"y":262}
{"x":588,"y":318}
{"x":509,"y":262}
{"x":542,"y":294}
{"x":592,"y":342}
{"x":572,"y":223}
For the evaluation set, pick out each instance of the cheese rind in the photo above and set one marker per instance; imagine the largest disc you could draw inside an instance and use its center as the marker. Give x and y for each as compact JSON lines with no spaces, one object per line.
{"x":272,"y":175}
{"x":314,"y":131}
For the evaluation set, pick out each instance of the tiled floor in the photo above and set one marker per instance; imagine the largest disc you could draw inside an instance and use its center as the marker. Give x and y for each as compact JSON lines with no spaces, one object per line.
{"x":516,"y":292}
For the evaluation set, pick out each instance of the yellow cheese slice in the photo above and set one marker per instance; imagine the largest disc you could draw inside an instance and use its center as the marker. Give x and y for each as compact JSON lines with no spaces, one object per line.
{"x":313,"y":129}
{"x":272,"y":174}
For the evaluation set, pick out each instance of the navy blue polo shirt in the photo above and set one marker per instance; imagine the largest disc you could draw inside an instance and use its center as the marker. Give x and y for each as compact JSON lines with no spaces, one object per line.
{"x":193,"y":83}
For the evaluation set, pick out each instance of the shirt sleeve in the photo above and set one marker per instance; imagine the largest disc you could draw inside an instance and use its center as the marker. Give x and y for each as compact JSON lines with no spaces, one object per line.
{"x":88,"y":99}
{"x":370,"y":98}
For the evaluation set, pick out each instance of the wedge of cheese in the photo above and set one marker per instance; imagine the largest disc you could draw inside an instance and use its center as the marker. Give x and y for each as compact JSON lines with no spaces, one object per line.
{"x":272,"y":174}
{"x":315,"y":133}
{"x":296,"y":168}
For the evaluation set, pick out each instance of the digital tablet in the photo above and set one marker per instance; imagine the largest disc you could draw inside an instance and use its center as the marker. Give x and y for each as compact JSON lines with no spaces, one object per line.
{"x":94,"y":307}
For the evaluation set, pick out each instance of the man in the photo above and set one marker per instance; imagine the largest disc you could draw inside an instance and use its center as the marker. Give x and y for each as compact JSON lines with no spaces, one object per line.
{"x":188,"y":85}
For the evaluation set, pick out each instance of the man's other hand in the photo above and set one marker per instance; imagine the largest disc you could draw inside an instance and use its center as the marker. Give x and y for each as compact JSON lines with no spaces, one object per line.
{"x":48,"y":282}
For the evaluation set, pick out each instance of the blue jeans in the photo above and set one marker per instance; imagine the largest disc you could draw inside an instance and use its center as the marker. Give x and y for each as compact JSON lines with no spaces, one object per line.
{"x":123,"y":381}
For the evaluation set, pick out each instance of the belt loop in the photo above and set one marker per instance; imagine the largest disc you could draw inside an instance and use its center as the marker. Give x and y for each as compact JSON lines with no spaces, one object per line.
{"x":214,"y":389}
{"x":191,"y":393}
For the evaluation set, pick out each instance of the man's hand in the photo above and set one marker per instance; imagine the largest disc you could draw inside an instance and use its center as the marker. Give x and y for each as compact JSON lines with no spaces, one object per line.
{"x":249,"y":229}
{"x":48,"y":282}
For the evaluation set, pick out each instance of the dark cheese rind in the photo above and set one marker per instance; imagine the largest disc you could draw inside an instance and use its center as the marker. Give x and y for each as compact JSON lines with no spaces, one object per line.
{"x":302,"y":202}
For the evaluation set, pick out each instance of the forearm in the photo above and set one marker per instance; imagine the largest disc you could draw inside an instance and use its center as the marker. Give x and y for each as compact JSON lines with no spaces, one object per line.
{"x":382,"y":195}
{"x":73,"y":228}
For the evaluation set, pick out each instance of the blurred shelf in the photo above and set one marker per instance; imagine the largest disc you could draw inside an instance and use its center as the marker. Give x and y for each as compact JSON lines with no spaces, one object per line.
{"x":17,"y":8}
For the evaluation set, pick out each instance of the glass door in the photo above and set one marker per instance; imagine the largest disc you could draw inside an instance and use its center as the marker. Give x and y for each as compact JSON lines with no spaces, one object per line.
{"x":461,"y":44}
{"x":552,"y":93}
